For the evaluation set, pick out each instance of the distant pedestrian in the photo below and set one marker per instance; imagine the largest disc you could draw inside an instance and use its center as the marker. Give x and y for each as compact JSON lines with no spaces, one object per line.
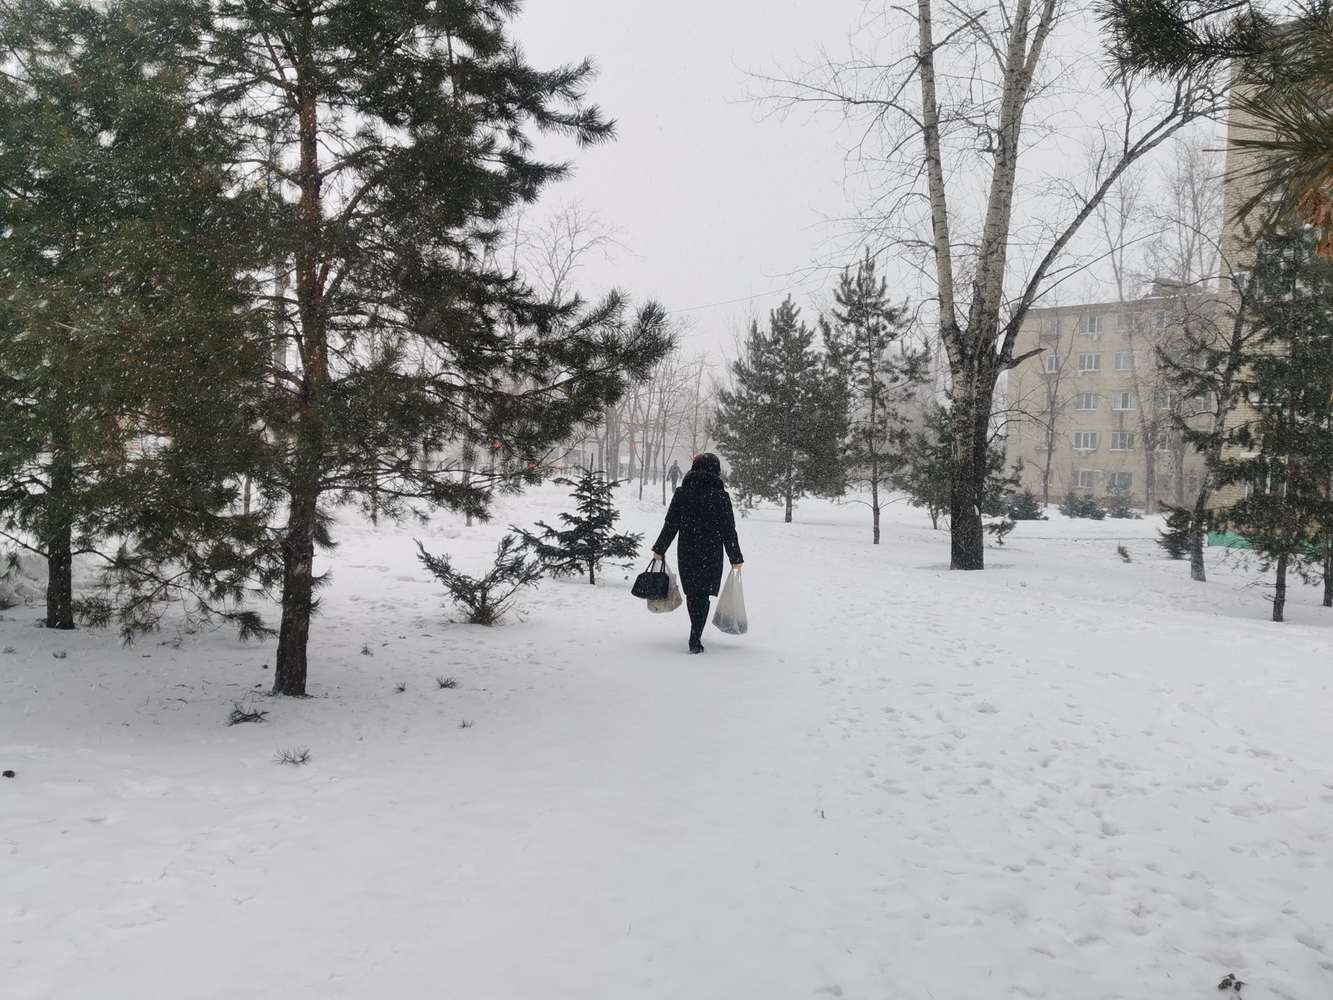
{"x":701,"y":514}
{"x":673,"y":473}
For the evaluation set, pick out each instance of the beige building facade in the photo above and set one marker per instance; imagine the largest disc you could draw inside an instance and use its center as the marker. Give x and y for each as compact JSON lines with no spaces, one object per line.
{"x":1093,"y":411}
{"x":1240,"y":183}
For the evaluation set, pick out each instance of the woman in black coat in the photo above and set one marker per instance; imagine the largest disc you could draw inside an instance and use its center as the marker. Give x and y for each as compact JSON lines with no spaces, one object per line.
{"x":701,"y":513}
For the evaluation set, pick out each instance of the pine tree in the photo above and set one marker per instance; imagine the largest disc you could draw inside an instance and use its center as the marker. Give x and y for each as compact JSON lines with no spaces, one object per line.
{"x":124,"y":348}
{"x":1175,"y":537}
{"x":392,"y":139}
{"x":924,"y":476}
{"x":1118,"y":505}
{"x":864,"y":336}
{"x":1081,"y":505}
{"x":588,"y":537}
{"x":1283,"y":55}
{"x":1284,"y":453}
{"x":782,"y":425}
{"x":1026,"y":506}
{"x":486,"y":598}
{"x":925,"y":473}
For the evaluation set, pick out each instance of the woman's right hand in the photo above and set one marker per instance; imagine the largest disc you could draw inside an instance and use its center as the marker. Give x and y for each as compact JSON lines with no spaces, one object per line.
{"x":657,"y":557}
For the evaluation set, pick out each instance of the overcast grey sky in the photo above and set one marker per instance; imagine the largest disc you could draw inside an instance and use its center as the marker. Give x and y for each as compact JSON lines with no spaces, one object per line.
{"x":717,"y":202}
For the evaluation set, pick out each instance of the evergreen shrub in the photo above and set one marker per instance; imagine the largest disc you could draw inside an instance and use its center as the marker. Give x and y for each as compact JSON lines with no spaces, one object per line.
{"x":1025,"y":507}
{"x":488,"y":598}
{"x":1175,"y":537}
{"x":588,"y":537}
{"x":1080,"y":505}
{"x":1118,"y":505}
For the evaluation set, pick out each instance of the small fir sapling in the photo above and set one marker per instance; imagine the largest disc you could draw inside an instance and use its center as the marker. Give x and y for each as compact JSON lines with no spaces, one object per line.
{"x":588,"y":537}
{"x":1076,"y":505}
{"x":1025,"y":507}
{"x":488,"y":598}
{"x":994,"y":503}
{"x":924,"y":476}
{"x":998,"y":495}
{"x":1175,"y":537}
{"x":1117,"y":505}
{"x":1123,"y":553}
{"x":999,"y":529}
{"x":296,"y":755}
{"x":445,"y":683}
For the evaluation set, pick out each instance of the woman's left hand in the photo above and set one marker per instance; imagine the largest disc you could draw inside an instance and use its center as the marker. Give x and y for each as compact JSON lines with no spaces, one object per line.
{"x":737,"y":565}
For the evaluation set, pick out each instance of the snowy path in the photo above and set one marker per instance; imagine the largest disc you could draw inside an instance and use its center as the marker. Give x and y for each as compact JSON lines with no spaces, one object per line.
{"x":1065,"y":777}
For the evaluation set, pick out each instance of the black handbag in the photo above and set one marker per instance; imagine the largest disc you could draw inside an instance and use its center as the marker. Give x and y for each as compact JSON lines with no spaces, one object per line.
{"x":652,"y":584}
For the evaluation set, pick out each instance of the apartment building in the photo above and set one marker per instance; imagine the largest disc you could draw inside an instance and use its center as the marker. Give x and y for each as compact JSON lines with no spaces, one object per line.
{"x":1240,"y":183}
{"x":1093,"y":411}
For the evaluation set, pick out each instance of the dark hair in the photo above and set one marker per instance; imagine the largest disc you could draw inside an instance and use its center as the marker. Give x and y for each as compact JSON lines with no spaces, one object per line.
{"x":707,"y":462}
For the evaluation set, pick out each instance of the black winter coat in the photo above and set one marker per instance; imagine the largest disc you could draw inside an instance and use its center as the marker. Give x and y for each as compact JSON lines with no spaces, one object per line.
{"x":701,"y":513}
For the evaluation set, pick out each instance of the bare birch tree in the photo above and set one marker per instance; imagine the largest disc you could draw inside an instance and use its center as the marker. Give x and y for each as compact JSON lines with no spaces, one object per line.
{"x":945,"y":126}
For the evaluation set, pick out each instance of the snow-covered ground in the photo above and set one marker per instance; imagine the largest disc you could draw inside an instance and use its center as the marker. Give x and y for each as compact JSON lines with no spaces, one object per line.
{"x":1066,"y":777}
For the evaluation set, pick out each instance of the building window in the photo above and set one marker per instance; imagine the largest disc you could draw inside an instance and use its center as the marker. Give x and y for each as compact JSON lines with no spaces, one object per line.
{"x":1163,"y":320}
{"x":1162,"y":482}
{"x":1085,"y":401}
{"x":1161,"y":442}
{"x":1089,"y":362}
{"x":1192,"y":484}
{"x":1053,"y":326}
{"x":1090,"y":324}
{"x":1126,"y":361}
{"x":1120,"y":480}
{"x":1085,"y":441}
{"x":1051,"y":403}
{"x":1124,"y":321}
{"x":1124,"y":401}
{"x":1122,"y":441}
{"x":1052,"y":363}
{"x":1164,"y":399}
{"x":1083,"y":479}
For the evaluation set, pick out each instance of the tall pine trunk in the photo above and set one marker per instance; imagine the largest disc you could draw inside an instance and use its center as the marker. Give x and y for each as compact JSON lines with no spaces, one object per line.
{"x":1328,"y":575}
{"x":1280,"y":588}
{"x":874,"y":506}
{"x":298,"y":540}
{"x":870,"y":439}
{"x":790,"y":489}
{"x":298,"y":595}
{"x":969,"y":424}
{"x":59,"y":544}
{"x":1198,"y":535}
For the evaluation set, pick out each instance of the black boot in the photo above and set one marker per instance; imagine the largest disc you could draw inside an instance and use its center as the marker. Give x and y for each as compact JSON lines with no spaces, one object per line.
{"x":696,"y":646}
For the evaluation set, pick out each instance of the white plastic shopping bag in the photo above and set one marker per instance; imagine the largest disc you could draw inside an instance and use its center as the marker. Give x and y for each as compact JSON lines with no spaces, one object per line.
{"x":672,"y":600}
{"x":730,"y":613}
